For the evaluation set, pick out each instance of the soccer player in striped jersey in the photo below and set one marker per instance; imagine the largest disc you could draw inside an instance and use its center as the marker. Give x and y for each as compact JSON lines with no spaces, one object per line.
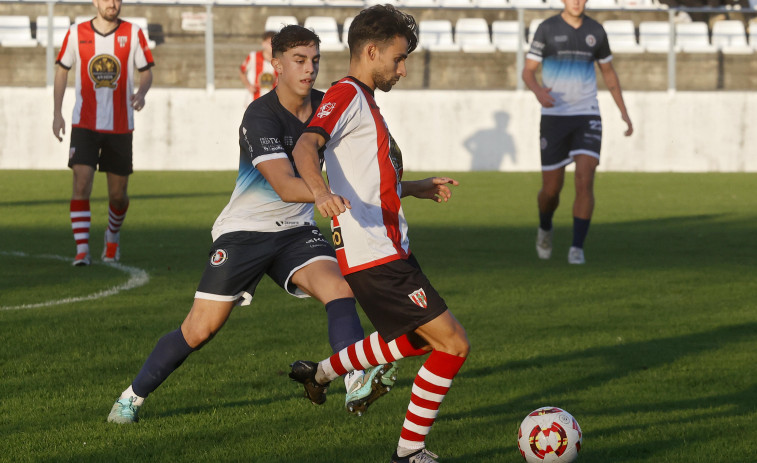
{"x":105,"y":52}
{"x":256,"y":72}
{"x":567,"y":45}
{"x":267,"y":228}
{"x":364,"y":166}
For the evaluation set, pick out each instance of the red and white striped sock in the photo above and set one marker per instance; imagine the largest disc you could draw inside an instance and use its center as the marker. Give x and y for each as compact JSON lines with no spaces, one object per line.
{"x":115,"y":220}
{"x":370,"y":352}
{"x":429,"y":389}
{"x":80,"y":220}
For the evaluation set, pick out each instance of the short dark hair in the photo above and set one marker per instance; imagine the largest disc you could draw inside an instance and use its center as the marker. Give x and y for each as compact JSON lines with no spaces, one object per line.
{"x":381,"y":23}
{"x":267,"y":35}
{"x":293,"y":36}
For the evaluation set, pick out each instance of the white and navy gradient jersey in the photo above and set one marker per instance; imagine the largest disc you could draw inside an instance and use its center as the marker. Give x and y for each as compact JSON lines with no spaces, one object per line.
{"x":567,"y":56}
{"x":364,"y":165}
{"x":268,"y":131}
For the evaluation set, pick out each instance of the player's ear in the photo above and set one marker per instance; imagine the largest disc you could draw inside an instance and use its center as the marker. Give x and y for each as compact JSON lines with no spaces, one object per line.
{"x":372,"y":51}
{"x":276,"y":63}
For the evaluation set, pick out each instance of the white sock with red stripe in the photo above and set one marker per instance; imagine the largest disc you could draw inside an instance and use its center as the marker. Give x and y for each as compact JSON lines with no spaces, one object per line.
{"x":429,"y":389}
{"x":115,"y":220}
{"x":80,"y":220}
{"x":370,"y":352}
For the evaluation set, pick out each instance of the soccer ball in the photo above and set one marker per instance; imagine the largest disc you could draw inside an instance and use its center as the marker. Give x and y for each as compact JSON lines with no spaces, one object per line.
{"x":549,"y":434}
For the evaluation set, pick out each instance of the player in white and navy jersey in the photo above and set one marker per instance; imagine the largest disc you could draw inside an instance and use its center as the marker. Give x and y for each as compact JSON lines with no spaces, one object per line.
{"x":256,"y":72}
{"x":567,"y":46}
{"x":104,"y":54}
{"x":364,"y":167}
{"x":266,"y":229}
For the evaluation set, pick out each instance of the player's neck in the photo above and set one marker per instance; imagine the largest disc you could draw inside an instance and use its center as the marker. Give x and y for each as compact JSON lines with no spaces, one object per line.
{"x":103,"y":26}
{"x":363,"y":74}
{"x":573,"y":21}
{"x":298,"y":105}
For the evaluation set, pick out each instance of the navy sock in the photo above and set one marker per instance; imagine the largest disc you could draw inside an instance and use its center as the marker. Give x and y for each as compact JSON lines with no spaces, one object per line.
{"x":169,"y":353}
{"x":344,"y":324}
{"x":545,"y":220}
{"x":580,"y":229}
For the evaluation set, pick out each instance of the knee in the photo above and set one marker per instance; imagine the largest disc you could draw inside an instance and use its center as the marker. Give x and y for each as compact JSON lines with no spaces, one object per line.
{"x":197,"y":335}
{"x":457,"y":345}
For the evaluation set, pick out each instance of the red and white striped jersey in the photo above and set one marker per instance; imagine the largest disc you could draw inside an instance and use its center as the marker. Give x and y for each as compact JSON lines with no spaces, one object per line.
{"x":259,"y":72}
{"x":364,"y":165}
{"x":105,"y":74}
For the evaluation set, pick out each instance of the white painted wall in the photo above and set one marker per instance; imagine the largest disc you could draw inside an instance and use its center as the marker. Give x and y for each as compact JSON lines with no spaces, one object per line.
{"x":187,"y":129}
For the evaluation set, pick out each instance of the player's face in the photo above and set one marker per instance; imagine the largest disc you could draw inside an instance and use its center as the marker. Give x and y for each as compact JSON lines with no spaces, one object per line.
{"x":575,"y":8}
{"x":298,"y":68}
{"x":108,"y":9}
{"x":390,"y":64}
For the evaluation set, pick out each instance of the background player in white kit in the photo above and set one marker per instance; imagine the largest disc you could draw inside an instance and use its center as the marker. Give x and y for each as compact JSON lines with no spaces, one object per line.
{"x":566,"y":45}
{"x":266,"y":229}
{"x":105,"y":52}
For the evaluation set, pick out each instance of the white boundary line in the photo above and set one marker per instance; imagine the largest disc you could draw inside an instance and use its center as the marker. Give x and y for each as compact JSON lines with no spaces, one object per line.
{"x":137,"y":278}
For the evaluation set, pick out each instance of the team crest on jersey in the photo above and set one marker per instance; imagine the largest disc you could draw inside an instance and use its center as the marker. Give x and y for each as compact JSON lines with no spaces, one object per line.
{"x":591,"y":40}
{"x":419,"y":298}
{"x":325,"y":110}
{"x":122,"y":40}
{"x":219,"y":258}
{"x":104,"y":71}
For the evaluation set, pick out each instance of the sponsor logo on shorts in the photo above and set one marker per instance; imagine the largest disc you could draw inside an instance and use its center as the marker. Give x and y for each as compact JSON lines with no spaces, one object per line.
{"x":591,"y":40}
{"x":325,"y":110}
{"x":71,"y":152}
{"x":543,"y":143}
{"x":419,"y":298}
{"x":219,"y":258}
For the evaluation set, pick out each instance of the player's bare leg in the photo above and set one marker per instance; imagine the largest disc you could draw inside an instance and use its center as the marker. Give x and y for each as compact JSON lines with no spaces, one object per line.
{"x":83,"y":177}
{"x":583,"y":206}
{"x":548,"y":199}
{"x":323,"y":280}
{"x":204,"y":320}
{"x":118,"y":203}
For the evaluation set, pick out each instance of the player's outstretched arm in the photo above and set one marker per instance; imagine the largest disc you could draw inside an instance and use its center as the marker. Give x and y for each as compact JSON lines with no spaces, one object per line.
{"x":613,"y":85}
{"x":279,"y":173}
{"x":308,"y":164}
{"x":433,"y":188}
{"x":59,"y":88}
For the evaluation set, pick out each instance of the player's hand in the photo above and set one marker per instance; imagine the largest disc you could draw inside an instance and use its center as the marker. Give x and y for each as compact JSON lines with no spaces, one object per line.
{"x":138,"y":101}
{"x":627,"y":120}
{"x":544,"y":97}
{"x":331,"y":205}
{"x":436,"y":189}
{"x":59,"y":127}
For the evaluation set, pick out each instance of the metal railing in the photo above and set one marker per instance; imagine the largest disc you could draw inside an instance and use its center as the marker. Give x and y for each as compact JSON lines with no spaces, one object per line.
{"x":520,"y":54}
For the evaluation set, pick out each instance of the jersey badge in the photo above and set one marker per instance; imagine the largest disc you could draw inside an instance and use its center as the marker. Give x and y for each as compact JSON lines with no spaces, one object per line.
{"x":104,"y":71}
{"x":419,"y":298}
{"x":219,"y":258}
{"x":325,"y":110}
{"x":122,"y":40}
{"x":591,"y":40}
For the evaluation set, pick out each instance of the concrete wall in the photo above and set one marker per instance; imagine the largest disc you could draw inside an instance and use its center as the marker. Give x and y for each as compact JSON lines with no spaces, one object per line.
{"x":187,"y":129}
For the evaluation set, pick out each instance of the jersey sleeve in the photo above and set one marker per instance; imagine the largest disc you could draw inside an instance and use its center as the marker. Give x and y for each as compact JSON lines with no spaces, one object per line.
{"x":259,"y":136}
{"x":67,"y":54}
{"x":143,"y":57}
{"x":538,"y":44}
{"x":603,"y":54}
{"x":338,"y":113}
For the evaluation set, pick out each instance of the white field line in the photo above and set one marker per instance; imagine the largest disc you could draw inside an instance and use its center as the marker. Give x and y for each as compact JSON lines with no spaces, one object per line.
{"x":137,"y":278}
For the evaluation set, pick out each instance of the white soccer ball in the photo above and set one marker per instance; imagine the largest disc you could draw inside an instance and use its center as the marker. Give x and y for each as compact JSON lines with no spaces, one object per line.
{"x":549,"y":434}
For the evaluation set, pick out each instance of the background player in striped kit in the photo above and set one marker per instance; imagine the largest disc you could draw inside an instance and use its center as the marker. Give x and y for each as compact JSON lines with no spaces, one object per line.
{"x":256,"y":72}
{"x":566,"y":45}
{"x":364,"y":166}
{"x":105,"y":52}
{"x":266,"y":229}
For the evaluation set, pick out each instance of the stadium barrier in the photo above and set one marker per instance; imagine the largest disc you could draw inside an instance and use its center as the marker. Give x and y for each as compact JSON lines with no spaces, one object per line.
{"x":189,"y":129}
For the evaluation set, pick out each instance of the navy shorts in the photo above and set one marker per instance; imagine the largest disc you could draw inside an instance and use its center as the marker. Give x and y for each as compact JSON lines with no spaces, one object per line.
{"x":563,"y":137}
{"x":111,"y":151}
{"x":396,"y":296}
{"x":238,"y":261}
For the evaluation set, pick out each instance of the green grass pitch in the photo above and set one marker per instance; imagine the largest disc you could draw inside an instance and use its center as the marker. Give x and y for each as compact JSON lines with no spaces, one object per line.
{"x":651,"y":345}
